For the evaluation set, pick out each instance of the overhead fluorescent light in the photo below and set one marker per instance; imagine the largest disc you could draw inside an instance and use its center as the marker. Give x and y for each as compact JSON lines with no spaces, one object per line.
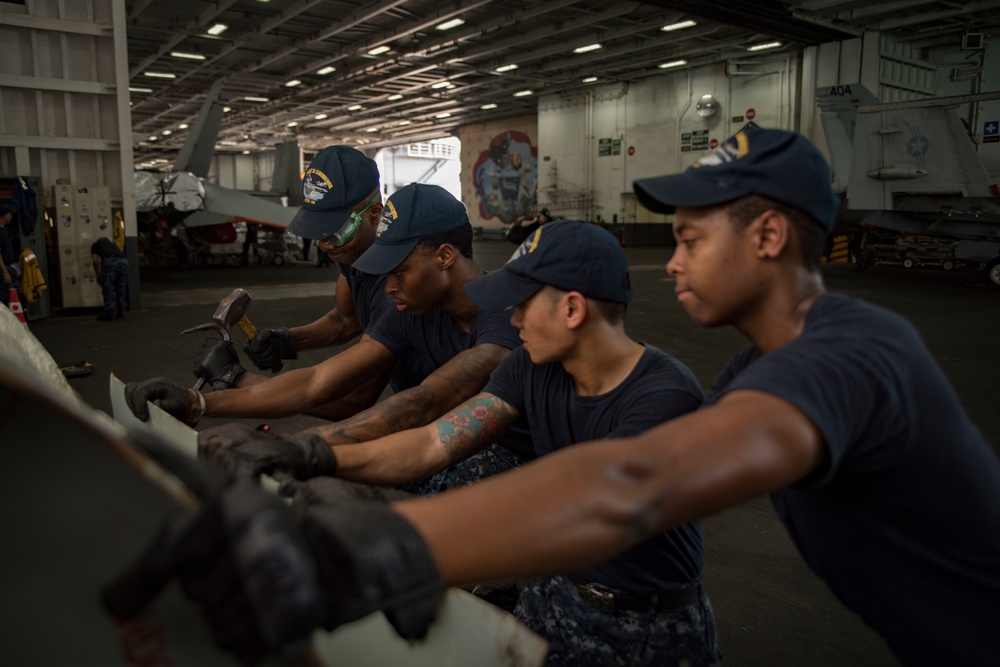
{"x":404,"y":122}
{"x":227,"y":143}
{"x":355,"y":107}
{"x":448,"y":25}
{"x":505,"y":68}
{"x":672,"y":63}
{"x":319,"y":116}
{"x":293,"y":83}
{"x":167,"y":133}
{"x":293,"y":123}
{"x":183,"y":126}
{"x":761,"y":47}
{"x":441,"y":84}
{"x":589,"y":79}
{"x":378,"y":50}
{"x":187,"y":56}
{"x":227,"y":109}
{"x":153,"y":138}
{"x":246,"y":152}
{"x":139,"y":90}
{"x":326,"y":70}
{"x":487,"y":107}
{"x":678,"y":26}
{"x":443,"y":115}
{"x":523,"y":93}
{"x":160,"y":75}
{"x":587,"y":49}
{"x":251,"y":98}
{"x":393,"y":98}
{"x":372,"y":129}
{"x":217,"y":29}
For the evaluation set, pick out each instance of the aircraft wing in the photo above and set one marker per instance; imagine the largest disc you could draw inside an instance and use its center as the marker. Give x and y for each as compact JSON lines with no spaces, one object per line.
{"x":222,"y":205}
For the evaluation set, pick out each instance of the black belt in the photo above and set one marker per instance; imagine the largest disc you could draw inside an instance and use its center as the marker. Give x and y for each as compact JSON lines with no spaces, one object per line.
{"x":606,"y":600}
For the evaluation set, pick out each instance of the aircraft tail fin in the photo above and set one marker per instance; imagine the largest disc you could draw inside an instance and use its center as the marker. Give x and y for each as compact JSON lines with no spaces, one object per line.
{"x":839,"y":115}
{"x":197,"y":152}
{"x":287,"y":178}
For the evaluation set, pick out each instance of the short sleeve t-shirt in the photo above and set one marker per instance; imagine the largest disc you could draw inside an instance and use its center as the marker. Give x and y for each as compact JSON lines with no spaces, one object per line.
{"x":370,"y":302}
{"x":658,"y":389}
{"x":903,"y":518}
{"x":105,"y":248}
{"x":435,"y":338}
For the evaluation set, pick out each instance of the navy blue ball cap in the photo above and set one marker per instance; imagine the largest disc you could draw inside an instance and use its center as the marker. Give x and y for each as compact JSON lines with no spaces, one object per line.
{"x":414,"y":212}
{"x":570,"y":255}
{"x":781,"y":165}
{"x":338,"y":179}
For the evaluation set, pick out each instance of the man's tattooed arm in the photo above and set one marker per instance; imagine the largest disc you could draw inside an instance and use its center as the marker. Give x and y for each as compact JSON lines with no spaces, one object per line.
{"x":411,"y":455}
{"x":458,"y":380}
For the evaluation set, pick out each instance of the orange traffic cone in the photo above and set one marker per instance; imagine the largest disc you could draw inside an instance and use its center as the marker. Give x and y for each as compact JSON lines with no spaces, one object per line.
{"x":15,"y":305}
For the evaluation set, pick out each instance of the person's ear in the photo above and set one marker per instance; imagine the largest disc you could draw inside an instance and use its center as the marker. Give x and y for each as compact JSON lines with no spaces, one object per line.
{"x":376,"y":212}
{"x":445,"y":256}
{"x":575,"y":309}
{"x":773,"y":234}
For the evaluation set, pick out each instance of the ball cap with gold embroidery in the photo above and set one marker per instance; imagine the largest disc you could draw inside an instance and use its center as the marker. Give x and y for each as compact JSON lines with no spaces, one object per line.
{"x":338,"y":179}
{"x":781,"y":165}
{"x":570,"y":255}
{"x":414,"y":212}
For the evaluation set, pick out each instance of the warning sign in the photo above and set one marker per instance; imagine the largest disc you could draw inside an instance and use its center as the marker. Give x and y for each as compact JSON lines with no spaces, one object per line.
{"x":694,"y":141}
{"x":751,"y":113}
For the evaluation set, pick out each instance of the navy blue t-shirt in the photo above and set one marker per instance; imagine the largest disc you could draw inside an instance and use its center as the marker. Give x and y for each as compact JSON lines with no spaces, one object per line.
{"x":105,"y":248}
{"x":903,"y":518}
{"x":435,"y":337}
{"x":370,"y":301}
{"x":658,"y":389}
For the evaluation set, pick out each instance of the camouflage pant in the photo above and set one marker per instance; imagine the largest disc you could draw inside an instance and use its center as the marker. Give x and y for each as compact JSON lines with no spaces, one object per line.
{"x":581,"y":636}
{"x":492,"y":460}
{"x":114,"y":282}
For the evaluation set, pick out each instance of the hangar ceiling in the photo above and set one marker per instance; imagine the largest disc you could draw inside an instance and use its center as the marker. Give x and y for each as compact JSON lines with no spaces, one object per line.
{"x":376,"y":74}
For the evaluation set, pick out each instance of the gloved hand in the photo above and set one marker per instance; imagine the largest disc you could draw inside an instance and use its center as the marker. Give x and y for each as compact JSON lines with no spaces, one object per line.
{"x":335,"y":491}
{"x":217,"y":363}
{"x":266,"y":578}
{"x":270,"y":346}
{"x":182,"y":402}
{"x":246,"y":451}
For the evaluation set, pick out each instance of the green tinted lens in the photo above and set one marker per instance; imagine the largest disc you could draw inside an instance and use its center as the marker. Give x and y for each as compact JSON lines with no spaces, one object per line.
{"x":347,"y":232}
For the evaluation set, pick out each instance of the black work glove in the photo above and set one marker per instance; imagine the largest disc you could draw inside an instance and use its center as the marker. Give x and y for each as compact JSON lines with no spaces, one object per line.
{"x":369,"y":558}
{"x":217,"y":363}
{"x":335,"y":491}
{"x":270,"y":346}
{"x":241,"y":556}
{"x":246,"y":451}
{"x":182,"y":402}
{"x":264,"y":579}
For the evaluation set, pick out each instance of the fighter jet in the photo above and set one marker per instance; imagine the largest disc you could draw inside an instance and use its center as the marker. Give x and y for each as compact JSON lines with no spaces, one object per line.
{"x":187,"y":188}
{"x":913,"y":167}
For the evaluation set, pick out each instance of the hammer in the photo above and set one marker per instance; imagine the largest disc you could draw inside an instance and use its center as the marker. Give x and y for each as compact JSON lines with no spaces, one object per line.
{"x":232,"y":310}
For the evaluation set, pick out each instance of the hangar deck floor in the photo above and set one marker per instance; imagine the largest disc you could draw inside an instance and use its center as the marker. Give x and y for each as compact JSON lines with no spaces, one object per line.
{"x":770,"y":608}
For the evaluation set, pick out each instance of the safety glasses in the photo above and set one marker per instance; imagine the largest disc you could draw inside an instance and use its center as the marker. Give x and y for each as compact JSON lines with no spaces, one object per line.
{"x":351,"y":227}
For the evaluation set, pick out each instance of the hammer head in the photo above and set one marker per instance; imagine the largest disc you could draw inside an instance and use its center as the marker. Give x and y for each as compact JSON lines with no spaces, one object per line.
{"x":232,"y":308}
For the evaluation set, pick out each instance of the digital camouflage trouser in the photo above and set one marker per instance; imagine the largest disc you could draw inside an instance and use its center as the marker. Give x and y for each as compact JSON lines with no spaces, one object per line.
{"x":114,"y":283}
{"x":579,"y":635}
{"x":492,"y":460}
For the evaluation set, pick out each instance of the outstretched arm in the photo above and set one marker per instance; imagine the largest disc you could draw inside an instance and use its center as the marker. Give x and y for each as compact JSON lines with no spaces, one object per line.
{"x":300,"y":390}
{"x":411,"y":455}
{"x":458,"y":380}
{"x":586,"y":503}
